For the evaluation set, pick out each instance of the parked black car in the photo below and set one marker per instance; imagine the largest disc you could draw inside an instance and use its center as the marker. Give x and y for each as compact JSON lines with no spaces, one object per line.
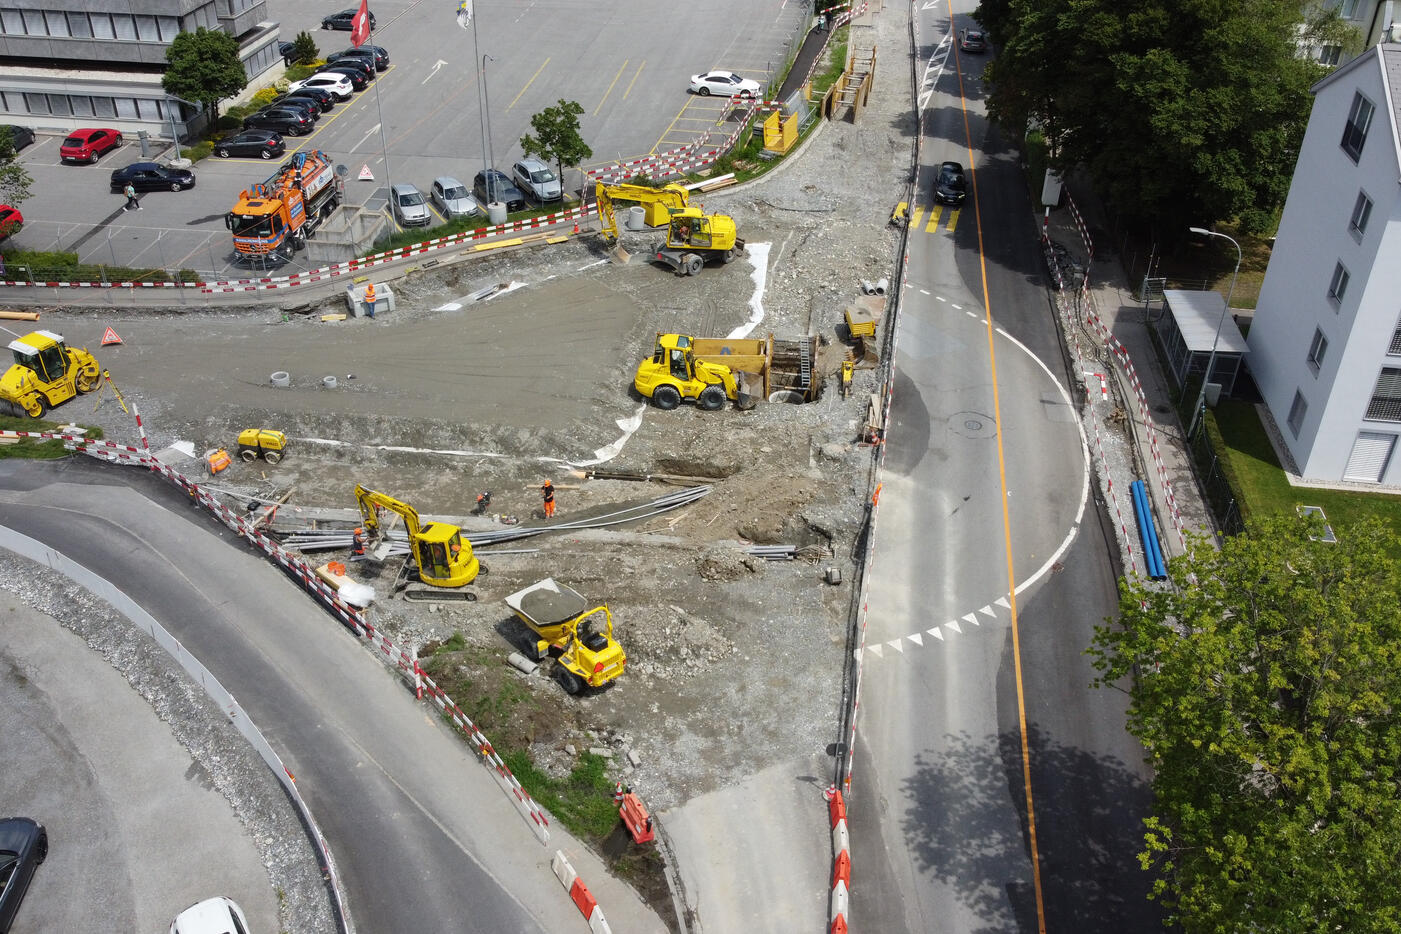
{"x":358,"y":81}
{"x":361,"y":54}
{"x":23,"y":846}
{"x":501,"y":186}
{"x":302,"y":105}
{"x":265,"y":144}
{"x":288,"y":52}
{"x":21,"y":136}
{"x":356,"y":66}
{"x":381,"y":55}
{"x":324,"y":99}
{"x":950,"y":187}
{"x":149,"y":176}
{"x":342,"y":20}
{"x":286,"y":122}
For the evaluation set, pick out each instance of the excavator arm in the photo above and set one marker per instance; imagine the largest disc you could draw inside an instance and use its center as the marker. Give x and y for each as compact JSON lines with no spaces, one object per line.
{"x":369,"y":499}
{"x":659,"y":202}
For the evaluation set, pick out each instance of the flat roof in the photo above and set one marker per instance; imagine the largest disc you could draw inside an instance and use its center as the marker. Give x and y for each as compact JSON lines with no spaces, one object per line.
{"x":1198,"y":313}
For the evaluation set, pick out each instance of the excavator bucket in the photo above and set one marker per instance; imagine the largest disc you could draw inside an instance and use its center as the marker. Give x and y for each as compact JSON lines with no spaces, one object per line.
{"x":619,"y":255}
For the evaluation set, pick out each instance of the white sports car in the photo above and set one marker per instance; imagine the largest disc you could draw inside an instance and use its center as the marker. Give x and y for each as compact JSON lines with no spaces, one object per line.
{"x":723,"y":83}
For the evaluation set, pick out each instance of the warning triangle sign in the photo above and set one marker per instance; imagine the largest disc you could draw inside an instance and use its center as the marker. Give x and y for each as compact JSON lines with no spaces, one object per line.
{"x":110,"y":337}
{"x":365,"y":174}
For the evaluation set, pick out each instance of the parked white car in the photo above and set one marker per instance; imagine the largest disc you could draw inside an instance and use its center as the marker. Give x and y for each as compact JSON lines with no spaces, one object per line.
{"x":410,"y":207}
{"x":724,"y":84}
{"x":337,"y":84}
{"x":453,"y":198}
{"x":218,"y":915}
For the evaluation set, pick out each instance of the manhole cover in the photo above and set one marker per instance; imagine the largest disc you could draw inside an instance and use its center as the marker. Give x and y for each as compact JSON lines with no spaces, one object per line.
{"x":973,"y":425}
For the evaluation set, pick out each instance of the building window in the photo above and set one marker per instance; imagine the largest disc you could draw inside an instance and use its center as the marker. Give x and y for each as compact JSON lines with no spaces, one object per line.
{"x":126,"y":108}
{"x":1386,"y":398}
{"x":1395,"y":348}
{"x":1317,"y":349}
{"x":11,"y":22}
{"x":102,"y":26}
{"x":169,"y":27}
{"x":1359,"y":120}
{"x":1337,"y":288}
{"x":34,"y":23}
{"x":1330,"y":55}
{"x":1297,"y":410}
{"x":1361,"y":213}
{"x":36,"y":103}
{"x":58,"y":105}
{"x":126,"y":28}
{"x":78,"y":26}
{"x":82,"y":105}
{"x":103,"y":107}
{"x":1349,"y":9}
{"x":57,"y":22}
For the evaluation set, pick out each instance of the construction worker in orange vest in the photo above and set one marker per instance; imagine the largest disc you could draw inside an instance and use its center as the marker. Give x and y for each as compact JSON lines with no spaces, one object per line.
{"x":548,"y":490}
{"x":370,"y":299}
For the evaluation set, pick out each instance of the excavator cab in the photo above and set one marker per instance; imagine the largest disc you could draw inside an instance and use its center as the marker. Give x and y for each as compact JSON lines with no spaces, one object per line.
{"x":438,"y":549}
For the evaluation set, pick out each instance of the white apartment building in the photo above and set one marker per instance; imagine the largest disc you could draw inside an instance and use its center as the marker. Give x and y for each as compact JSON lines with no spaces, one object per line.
{"x":1325,"y":345}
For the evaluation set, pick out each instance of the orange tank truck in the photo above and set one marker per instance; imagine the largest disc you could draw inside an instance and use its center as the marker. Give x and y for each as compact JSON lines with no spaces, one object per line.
{"x":279,"y":215}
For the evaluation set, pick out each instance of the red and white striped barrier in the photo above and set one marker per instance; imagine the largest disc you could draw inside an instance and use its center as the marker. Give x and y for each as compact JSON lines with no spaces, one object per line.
{"x":579,"y":893}
{"x":840,"y":904}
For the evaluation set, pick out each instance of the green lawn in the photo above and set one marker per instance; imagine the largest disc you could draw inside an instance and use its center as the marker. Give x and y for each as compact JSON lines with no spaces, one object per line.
{"x":1262,"y":487}
{"x":33,"y":448}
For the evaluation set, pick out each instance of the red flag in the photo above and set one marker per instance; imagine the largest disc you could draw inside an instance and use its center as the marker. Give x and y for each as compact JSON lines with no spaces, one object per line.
{"x":360,"y":25}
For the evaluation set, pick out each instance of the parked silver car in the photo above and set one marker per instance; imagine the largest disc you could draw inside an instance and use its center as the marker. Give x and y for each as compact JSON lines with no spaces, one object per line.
{"x":453,"y":198}
{"x":537,"y":179}
{"x":410,"y":207}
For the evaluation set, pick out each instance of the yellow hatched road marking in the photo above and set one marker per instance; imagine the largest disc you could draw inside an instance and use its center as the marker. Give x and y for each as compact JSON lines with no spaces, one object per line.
{"x":635,"y":76}
{"x":916,"y":214}
{"x":528,"y":84}
{"x":953,"y":220}
{"x":611,"y":85}
{"x":934,"y":214}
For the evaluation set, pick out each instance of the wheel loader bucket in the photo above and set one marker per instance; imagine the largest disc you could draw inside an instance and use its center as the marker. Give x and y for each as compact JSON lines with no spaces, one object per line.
{"x":750,"y":391}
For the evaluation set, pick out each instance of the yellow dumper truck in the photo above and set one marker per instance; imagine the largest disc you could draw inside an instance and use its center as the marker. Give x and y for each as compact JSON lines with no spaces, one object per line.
{"x":711,"y":370}
{"x":562,"y":622}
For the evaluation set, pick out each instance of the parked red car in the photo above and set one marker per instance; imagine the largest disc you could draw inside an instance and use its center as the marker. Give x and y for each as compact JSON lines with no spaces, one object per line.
{"x":11,"y":220}
{"x":88,"y":144}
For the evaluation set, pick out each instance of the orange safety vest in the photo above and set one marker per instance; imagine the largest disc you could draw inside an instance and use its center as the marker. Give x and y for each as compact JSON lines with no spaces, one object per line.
{"x":370,"y":294}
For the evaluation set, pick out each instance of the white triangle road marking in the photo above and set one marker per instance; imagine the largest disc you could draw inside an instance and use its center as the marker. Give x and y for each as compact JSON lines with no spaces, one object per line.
{"x":971,"y":619}
{"x":936,"y":632}
{"x":916,"y":639}
{"x":953,"y":624}
{"x":875,"y":648}
{"x":989,"y":611}
{"x":1002,"y":602}
{"x":896,"y":644}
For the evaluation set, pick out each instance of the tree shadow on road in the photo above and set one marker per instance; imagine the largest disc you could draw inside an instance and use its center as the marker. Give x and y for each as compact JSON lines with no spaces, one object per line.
{"x":966,"y":824}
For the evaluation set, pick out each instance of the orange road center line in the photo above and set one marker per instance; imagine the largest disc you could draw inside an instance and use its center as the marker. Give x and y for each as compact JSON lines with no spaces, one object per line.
{"x":1006,"y":513}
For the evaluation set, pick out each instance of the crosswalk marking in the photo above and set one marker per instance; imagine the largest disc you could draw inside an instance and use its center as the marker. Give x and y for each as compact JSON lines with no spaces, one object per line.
{"x":916,"y":214}
{"x":953,"y":219}
{"x":933,"y":224}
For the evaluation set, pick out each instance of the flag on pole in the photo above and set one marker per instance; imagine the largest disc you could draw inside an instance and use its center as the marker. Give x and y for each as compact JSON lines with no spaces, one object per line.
{"x":464,"y":13}
{"x":360,"y":25}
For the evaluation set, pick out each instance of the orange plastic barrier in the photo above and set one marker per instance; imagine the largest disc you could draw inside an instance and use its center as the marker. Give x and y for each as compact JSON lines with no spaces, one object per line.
{"x":638,"y":821}
{"x":841,"y":872}
{"x":836,"y":808}
{"x":583,"y":898}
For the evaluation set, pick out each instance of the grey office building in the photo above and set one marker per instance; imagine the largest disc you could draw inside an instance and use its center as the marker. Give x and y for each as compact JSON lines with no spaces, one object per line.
{"x":71,"y":63}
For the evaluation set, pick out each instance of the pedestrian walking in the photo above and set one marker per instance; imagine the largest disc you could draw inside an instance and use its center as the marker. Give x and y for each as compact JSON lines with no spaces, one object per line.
{"x":131,"y":202}
{"x":548,"y":491}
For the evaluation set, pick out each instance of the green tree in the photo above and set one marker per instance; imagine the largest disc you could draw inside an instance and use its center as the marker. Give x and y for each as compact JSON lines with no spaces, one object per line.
{"x":1268,"y":680}
{"x":204,"y":67}
{"x":1183,"y":112}
{"x":14,"y":180}
{"x":557,"y":136}
{"x":304,"y":50}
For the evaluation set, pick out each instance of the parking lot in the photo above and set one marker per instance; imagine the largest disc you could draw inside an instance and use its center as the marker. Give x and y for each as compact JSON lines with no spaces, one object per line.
{"x":625,"y":64}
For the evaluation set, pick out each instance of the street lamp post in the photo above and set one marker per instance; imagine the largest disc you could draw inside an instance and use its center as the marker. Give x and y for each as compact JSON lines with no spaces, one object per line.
{"x":485,"y":116}
{"x":1211,"y":359}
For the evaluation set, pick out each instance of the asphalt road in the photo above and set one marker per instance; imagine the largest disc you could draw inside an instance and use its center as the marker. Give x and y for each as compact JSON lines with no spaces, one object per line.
{"x":420,"y":832}
{"x":137,"y":832}
{"x":626,"y":63}
{"x":952,"y":830}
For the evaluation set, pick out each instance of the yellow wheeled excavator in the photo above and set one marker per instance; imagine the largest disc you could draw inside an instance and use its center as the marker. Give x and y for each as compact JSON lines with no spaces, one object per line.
{"x":692,"y":236}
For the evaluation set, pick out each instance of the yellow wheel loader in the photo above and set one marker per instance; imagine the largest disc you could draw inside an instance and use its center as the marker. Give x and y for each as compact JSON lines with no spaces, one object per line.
{"x":712,"y":370}
{"x":588,"y":655}
{"x":444,"y":557}
{"x":46,"y":372}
